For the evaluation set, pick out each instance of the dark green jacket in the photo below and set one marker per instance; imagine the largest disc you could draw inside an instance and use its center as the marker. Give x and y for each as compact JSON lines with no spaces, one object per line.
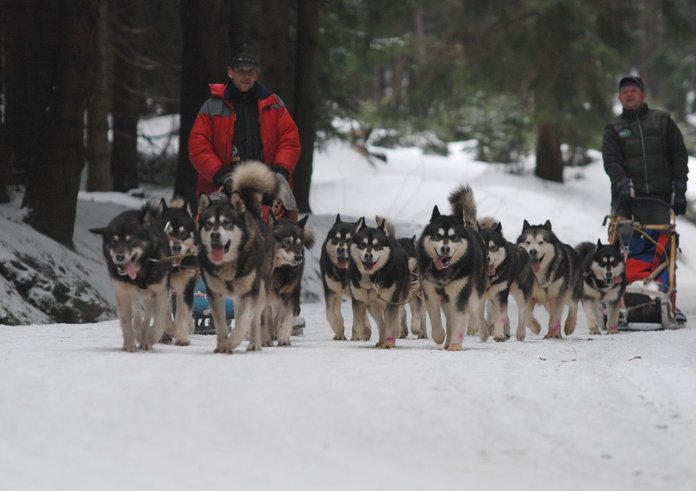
{"x":646,"y":146}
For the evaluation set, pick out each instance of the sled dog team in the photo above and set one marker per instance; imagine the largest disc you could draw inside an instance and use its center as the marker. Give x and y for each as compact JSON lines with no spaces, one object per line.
{"x":461,"y":271}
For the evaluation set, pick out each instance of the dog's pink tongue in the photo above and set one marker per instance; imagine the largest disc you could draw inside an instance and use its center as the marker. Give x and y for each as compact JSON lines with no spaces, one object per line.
{"x":536,"y":266}
{"x":617,"y":279}
{"x":130,"y":270}
{"x":217,"y":253}
{"x":491,"y":270}
{"x":342,"y":263}
{"x":438,"y":263}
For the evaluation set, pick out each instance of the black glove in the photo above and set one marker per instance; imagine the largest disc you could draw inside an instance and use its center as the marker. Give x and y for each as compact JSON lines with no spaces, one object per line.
{"x":679,"y":197}
{"x":223,"y":178}
{"x":280,"y":170}
{"x":624,"y":190}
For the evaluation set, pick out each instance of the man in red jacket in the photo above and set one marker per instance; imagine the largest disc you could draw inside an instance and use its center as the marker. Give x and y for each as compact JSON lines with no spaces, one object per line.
{"x":242,"y":120}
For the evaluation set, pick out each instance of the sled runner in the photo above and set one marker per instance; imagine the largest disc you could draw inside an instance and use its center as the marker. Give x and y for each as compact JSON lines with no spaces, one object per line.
{"x":650,"y":242}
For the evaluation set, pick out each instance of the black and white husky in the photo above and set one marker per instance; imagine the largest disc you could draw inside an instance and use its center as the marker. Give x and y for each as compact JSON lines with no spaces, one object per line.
{"x":291,"y":240}
{"x":452,"y":267}
{"x":235,"y":254}
{"x":379,"y":281}
{"x":333,"y":264}
{"x":509,"y":273}
{"x":136,"y":250}
{"x":557,"y":277}
{"x":604,"y":281}
{"x":180,"y":228}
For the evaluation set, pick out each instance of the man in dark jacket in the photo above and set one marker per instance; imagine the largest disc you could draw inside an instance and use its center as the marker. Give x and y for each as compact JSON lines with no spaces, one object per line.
{"x":644,"y":152}
{"x":644,"y":155}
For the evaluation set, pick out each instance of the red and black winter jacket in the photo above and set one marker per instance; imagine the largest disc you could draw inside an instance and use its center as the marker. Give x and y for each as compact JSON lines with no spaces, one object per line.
{"x":210,"y":141}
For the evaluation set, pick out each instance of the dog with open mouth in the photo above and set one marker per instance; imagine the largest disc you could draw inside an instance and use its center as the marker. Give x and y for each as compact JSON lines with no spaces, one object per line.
{"x":452,"y":267}
{"x":509,"y":273}
{"x":136,"y":248}
{"x":235,"y":254}
{"x":379,"y":281}
{"x":604,"y":282}
{"x":557,"y":274}
{"x":333,"y":265}
{"x":180,"y":229}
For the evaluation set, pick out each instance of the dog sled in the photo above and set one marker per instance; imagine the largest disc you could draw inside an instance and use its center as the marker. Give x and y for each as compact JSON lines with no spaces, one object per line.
{"x":649,"y":242}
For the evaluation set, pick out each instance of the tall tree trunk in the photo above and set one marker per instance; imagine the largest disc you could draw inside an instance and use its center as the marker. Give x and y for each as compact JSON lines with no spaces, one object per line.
{"x":125,"y":102}
{"x":549,"y":160}
{"x":204,"y":60}
{"x":22,"y":78}
{"x":98,"y":148}
{"x":54,"y":171}
{"x":244,"y":26}
{"x":306,"y":95}
{"x":276,"y":50}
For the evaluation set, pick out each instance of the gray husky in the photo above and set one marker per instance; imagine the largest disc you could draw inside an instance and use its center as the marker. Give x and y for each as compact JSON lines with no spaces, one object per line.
{"x":236,"y":254}
{"x":291,"y":240}
{"x":604,"y":281}
{"x":509,"y":273}
{"x":452,"y":267}
{"x":180,"y":228}
{"x":557,"y":277}
{"x":135,"y":248}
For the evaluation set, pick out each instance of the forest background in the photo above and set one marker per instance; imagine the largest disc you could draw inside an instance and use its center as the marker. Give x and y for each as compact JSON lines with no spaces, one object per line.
{"x":520,"y":77}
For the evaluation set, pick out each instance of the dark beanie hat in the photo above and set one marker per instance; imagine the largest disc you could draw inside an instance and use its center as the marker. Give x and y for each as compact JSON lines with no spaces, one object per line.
{"x":632,"y":80}
{"x":241,"y":60}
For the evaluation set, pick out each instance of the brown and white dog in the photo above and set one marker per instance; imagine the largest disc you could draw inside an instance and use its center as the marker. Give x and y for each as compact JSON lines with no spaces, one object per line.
{"x":235,"y":254}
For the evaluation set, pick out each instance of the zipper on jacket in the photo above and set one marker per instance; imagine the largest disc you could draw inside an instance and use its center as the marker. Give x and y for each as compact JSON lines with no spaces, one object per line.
{"x":645,"y":157}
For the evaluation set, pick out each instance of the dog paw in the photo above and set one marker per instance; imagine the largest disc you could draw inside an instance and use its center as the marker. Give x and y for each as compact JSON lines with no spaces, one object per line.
{"x":284,"y":342}
{"x":595,"y":331}
{"x":253,"y":347}
{"x":613,"y":329}
{"x":500,"y":339}
{"x":182,"y":342}
{"x":422,"y":335}
{"x":166,"y":339}
{"x":534,"y":326}
{"x":130,"y":348}
{"x":145,"y":347}
{"x":223,"y":348}
{"x":341,"y":337}
{"x":453,"y":347}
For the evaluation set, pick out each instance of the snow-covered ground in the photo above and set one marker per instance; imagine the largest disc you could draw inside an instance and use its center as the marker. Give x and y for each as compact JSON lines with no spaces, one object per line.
{"x":585,"y":412}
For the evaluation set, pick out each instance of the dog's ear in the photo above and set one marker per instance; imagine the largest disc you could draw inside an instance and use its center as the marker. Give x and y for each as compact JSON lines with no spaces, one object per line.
{"x":435,"y":213}
{"x":98,"y":231}
{"x":526,"y":225}
{"x":338,"y":218}
{"x":237,"y":202}
{"x":547,"y":225}
{"x":163,"y":204}
{"x":302,"y":221}
{"x":599,"y":243}
{"x":499,"y":228}
{"x":360,"y":224}
{"x":203,"y":203}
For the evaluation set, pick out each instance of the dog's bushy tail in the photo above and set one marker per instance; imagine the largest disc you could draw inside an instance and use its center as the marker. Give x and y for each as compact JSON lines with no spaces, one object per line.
{"x":254,"y":181}
{"x":463,"y":203}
